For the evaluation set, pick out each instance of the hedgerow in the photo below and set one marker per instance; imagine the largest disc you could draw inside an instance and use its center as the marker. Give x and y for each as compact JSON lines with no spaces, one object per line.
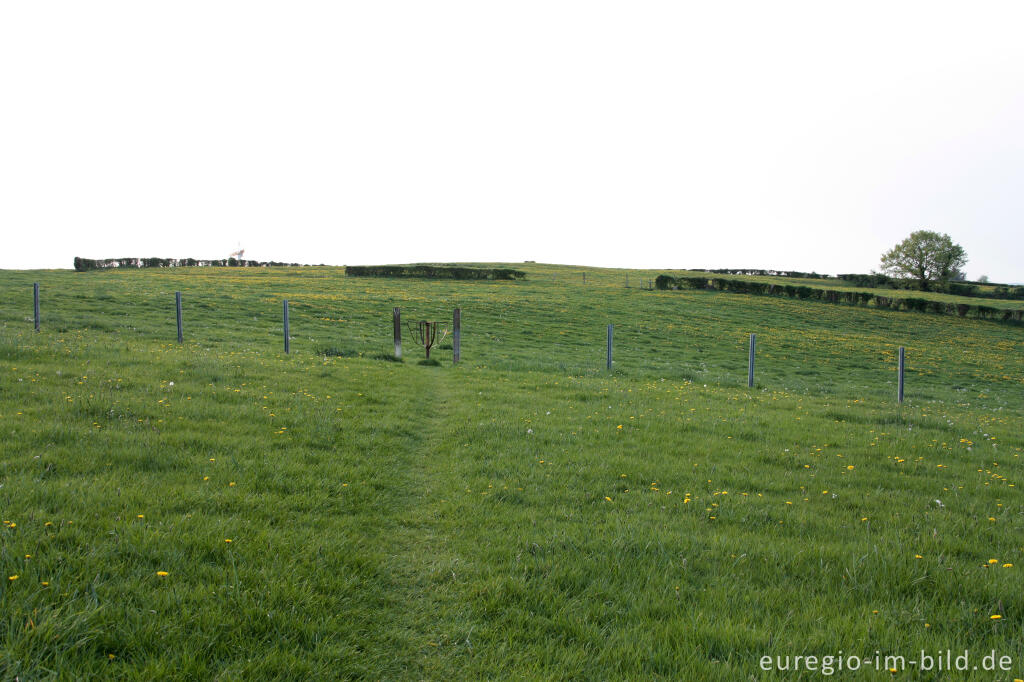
{"x":83,"y":264}
{"x":433,"y":272}
{"x":860,"y":298}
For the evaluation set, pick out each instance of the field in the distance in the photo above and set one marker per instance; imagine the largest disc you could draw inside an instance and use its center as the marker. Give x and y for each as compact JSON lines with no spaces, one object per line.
{"x":223,"y":510}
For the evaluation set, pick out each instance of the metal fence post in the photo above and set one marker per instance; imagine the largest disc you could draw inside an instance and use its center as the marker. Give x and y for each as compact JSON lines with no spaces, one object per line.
{"x":177,"y":309}
{"x":750,"y":362}
{"x":610,"y":346}
{"x":35,"y":303}
{"x":456,"y":335}
{"x":287,"y":331}
{"x":397,"y":319}
{"x":899,"y":388}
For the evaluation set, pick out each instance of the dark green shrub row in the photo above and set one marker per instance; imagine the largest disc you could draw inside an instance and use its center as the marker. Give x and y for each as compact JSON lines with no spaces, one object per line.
{"x":872,"y":281}
{"x":862,"y":298}
{"x":667,"y":282}
{"x":432,"y":271}
{"x":769,"y":273}
{"x":1005,"y":292}
{"x":83,"y":264}
{"x":971,"y":289}
{"x":876,"y":280}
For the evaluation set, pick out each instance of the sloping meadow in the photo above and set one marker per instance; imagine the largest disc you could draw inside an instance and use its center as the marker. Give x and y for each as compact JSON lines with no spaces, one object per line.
{"x":219,"y":508}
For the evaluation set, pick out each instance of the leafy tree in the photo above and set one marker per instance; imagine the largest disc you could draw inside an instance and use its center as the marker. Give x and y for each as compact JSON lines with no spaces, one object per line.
{"x":929,"y":257}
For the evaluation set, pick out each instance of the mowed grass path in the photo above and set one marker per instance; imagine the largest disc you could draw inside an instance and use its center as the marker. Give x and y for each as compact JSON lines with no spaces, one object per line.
{"x":524,"y":514}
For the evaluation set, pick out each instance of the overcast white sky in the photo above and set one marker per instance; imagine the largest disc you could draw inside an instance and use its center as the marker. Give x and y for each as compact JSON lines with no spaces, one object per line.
{"x":791,"y":135}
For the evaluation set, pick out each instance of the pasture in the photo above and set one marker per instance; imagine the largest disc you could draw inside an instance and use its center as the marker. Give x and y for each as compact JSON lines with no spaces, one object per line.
{"x":219,"y":509}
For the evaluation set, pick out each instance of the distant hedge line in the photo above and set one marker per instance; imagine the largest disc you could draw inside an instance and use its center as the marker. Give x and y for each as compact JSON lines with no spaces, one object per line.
{"x":862,"y":298}
{"x":432,"y":271}
{"x":972,"y":289}
{"x":879,"y":281}
{"x":82,"y":264}
{"x":767,"y":273}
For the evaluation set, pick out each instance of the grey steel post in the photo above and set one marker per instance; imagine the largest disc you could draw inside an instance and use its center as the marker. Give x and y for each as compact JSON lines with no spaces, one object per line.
{"x":397,"y":315}
{"x":35,"y":302}
{"x":456,"y":334}
{"x":899,"y":389}
{"x":287,"y":331}
{"x":750,"y":362}
{"x":609,"y":346}
{"x":177,"y":308}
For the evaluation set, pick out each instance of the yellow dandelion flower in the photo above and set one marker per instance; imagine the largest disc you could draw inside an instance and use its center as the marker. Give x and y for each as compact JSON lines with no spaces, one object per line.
{"x":995,"y":616}
{"x":12,"y":578}
{"x":993,"y":561}
{"x":1007,"y":565}
{"x":231,"y":484}
{"x":228,"y":540}
{"x":162,"y":574}
{"x":607,"y":498}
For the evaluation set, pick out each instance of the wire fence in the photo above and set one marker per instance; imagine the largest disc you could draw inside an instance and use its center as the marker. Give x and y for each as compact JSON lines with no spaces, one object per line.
{"x":422,"y":333}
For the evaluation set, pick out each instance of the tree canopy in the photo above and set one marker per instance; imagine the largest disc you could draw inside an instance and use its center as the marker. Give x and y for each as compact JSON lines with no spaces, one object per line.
{"x":929,"y":257}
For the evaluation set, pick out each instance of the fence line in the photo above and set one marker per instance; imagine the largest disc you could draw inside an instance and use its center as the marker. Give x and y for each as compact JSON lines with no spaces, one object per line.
{"x":457,"y":339}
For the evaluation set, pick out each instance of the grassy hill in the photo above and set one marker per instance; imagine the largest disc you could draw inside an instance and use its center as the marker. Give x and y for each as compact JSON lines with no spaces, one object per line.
{"x":221,"y":509}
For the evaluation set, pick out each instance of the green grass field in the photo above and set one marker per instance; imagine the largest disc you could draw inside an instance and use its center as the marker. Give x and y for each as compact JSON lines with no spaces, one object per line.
{"x":222,"y":510}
